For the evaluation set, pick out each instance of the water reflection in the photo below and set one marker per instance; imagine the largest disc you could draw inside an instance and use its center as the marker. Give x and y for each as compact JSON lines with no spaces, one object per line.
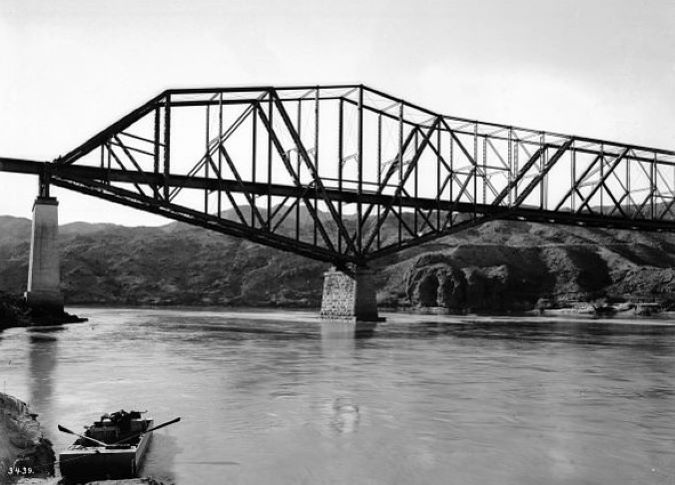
{"x":345,"y":415}
{"x":340,"y":345}
{"x":342,"y":335}
{"x":42,"y":361}
{"x":337,"y":337}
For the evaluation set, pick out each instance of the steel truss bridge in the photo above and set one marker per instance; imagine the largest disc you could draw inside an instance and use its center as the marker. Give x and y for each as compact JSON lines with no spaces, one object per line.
{"x":347,"y":174}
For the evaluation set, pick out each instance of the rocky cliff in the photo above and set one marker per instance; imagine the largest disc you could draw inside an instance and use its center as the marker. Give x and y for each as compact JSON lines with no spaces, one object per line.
{"x":499,"y":266}
{"x":22,"y":444}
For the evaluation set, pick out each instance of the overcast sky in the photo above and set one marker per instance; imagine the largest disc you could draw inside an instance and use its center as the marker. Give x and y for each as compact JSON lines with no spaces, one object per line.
{"x":604,"y":69}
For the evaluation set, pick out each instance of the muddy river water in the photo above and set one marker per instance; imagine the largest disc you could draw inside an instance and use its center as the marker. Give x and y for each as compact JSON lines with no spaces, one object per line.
{"x":278,"y":397}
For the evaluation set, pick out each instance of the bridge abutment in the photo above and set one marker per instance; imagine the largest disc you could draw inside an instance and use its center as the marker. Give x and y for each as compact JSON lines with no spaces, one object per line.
{"x":350,"y":295}
{"x":44,"y":275}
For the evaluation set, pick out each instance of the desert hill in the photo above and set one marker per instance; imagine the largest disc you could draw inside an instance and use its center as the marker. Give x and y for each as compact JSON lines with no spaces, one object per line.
{"x":501,"y":265}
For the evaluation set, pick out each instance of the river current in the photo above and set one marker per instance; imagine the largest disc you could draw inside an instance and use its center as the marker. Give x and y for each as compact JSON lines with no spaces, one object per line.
{"x":281,"y":398}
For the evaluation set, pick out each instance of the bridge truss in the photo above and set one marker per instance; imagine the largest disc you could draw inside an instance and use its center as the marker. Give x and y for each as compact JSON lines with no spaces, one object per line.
{"x":347,"y":174}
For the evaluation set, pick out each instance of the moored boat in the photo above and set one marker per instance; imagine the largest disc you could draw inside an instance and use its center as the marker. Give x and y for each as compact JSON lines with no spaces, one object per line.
{"x":113,"y":447}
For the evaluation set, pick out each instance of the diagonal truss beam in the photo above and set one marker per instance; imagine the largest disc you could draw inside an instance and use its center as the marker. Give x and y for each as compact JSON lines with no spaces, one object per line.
{"x":538,"y":178}
{"x":296,"y":179}
{"x":101,"y":137}
{"x":466,"y":153}
{"x":180,"y":213}
{"x":604,"y":177}
{"x":235,"y":172}
{"x":577,"y":182}
{"x":304,"y":155}
{"x":409,"y":170}
{"x":521,"y":173}
{"x":391,"y":170}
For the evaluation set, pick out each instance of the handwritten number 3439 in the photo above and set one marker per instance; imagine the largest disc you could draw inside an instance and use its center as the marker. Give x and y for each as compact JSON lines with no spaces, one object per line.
{"x":20,"y":470}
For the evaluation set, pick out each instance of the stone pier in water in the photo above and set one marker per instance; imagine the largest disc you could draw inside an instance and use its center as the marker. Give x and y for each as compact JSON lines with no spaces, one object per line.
{"x":349,"y":295}
{"x":44,"y":277}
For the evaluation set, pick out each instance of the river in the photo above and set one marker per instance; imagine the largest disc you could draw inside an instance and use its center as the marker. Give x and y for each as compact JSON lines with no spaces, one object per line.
{"x":278,"y":397}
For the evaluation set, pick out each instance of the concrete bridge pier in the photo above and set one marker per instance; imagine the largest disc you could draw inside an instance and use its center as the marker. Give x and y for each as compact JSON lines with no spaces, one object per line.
{"x":44,"y":275}
{"x":349,"y":294}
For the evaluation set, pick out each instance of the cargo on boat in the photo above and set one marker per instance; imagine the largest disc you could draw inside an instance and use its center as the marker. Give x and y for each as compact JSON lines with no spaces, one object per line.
{"x":112,"y":447}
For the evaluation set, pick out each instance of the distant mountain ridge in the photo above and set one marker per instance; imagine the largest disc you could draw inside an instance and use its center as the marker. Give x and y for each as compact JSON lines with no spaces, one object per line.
{"x":501,"y":265}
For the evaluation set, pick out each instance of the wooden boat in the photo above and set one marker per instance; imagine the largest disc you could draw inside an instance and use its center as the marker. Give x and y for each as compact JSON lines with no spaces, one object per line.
{"x":112,"y":447}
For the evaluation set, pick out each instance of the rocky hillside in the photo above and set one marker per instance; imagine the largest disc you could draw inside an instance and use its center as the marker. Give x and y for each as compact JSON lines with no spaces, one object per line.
{"x":506,"y":265}
{"x":499,"y":266}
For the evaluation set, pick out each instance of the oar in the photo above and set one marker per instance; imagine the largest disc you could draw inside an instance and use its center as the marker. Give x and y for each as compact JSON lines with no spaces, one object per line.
{"x":146,"y":431}
{"x":66,"y":430}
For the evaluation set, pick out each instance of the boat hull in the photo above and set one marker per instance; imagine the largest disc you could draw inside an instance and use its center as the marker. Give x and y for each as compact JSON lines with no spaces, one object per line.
{"x":95,"y":462}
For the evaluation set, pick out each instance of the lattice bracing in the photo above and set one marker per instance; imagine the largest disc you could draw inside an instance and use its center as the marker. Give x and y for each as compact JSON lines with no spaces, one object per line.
{"x":348,"y":174}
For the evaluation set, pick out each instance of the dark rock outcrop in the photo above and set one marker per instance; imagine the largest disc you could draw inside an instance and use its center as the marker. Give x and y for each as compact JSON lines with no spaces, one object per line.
{"x":434,"y":282}
{"x":14,"y":312}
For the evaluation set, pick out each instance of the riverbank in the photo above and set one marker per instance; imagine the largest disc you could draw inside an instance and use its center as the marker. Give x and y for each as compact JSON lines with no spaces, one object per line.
{"x":22,"y":443}
{"x":57,"y":481}
{"x":14,"y":312}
